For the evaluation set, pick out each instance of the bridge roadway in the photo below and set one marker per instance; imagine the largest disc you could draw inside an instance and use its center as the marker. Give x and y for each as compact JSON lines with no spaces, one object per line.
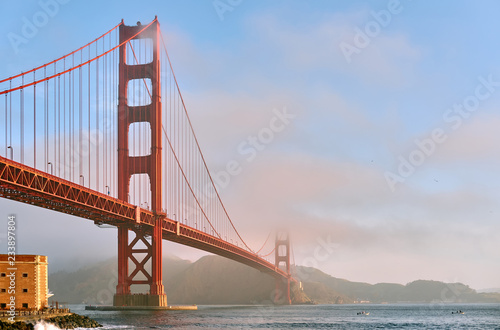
{"x":31,"y":186}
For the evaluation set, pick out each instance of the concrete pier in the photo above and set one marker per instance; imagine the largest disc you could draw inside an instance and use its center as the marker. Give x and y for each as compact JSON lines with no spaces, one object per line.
{"x":140,"y":300}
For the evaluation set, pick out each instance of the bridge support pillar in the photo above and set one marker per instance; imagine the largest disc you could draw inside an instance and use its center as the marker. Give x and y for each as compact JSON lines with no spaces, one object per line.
{"x":123,"y":286}
{"x":148,"y":164}
{"x":139,"y":252}
{"x":282,"y":260}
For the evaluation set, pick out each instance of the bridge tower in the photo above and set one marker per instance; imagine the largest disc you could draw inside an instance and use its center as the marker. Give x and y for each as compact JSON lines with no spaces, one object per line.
{"x":282,"y":260}
{"x":150,"y":164}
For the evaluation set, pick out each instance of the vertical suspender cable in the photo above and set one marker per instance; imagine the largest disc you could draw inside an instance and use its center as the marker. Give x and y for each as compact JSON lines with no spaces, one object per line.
{"x":22,"y":122}
{"x":104,"y":85}
{"x":70,"y":102}
{"x":102,"y":116}
{"x":72,"y":123}
{"x":5,"y":124}
{"x":80,"y":118}
{"x":69,"y":150}
{"x":10,"y":115}
{"x":45,"y":119}
{"x":115,"y":112}
{"x":89,"y":152}
{"x":64,"y":122}
{"x":58,"y":161}
{"x":34,"y":122}
{"x":54,"y":137}
{"x":97,"y":128}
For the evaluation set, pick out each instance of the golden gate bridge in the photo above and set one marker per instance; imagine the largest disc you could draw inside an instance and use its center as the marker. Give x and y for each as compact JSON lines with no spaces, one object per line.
{"x":103,"y":133}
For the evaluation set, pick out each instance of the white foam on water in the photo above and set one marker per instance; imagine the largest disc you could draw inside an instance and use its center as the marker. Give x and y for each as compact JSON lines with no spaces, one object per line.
{"x":42,"y":325}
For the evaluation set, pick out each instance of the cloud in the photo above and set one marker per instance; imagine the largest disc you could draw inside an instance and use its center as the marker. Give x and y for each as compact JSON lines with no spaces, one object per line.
{"x":223,"y":120}
{"x":350,"y":204}
{"x":388,"y":59}
{"x":191,"y":63}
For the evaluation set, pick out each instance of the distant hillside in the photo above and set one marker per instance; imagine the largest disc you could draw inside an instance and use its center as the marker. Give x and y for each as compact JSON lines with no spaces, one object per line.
{"x":217,"y":280}
{"x":335,"y":290}
{"x":490,"y":290}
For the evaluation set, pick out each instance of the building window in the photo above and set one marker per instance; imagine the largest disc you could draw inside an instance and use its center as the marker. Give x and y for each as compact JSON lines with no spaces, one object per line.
{"x":2,"y":290}
{"x":25,"y":305}
{"x":25,"y":290}
{"x":2,"y":275}
{"x":25,"y":274}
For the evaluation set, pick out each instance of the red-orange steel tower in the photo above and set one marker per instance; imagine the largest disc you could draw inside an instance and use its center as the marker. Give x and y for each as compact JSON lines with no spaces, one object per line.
{"x":149,"y":164}
{"x":282,"y":258}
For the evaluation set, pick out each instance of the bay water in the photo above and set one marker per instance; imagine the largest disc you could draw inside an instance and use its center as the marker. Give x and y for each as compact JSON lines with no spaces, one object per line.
{"x":384,"y":316}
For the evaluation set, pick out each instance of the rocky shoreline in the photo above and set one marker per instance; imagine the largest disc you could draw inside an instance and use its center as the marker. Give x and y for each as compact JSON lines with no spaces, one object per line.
{"x":70,"y":321}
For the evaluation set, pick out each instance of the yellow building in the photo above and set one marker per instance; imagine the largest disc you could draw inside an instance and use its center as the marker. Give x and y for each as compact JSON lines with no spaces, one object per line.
{"x":23,"y":283}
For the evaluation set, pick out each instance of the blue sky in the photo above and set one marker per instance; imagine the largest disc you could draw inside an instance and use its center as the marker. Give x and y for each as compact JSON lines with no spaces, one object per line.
{"x":325,"y":174}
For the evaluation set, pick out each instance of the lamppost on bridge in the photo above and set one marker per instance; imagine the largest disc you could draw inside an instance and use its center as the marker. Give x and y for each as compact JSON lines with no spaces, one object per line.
{"x":107,"y":189}
{"x":11,"y":152}
{"x":51,"y":168}
{"x":83,"y":179}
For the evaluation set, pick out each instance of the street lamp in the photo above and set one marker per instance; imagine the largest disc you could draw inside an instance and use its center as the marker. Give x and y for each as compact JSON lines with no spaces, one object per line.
{"x":107,"y":189}
{"x":11,"y":152}
{"x":51,"y":168}
{"x":83,"y":179}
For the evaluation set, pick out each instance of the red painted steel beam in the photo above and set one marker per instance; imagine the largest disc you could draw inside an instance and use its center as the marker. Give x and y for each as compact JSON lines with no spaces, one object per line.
{"x":280,"y":259}
{"x":28,"y":185}
{"x":150,"y":164}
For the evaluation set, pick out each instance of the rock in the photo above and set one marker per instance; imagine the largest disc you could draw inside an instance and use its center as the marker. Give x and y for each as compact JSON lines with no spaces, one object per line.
{"x":71,"y":321}
{"x":16,"y":325}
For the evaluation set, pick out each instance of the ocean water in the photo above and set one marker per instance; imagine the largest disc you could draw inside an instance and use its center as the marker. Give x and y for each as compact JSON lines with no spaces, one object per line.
{"x":392,"y":316}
